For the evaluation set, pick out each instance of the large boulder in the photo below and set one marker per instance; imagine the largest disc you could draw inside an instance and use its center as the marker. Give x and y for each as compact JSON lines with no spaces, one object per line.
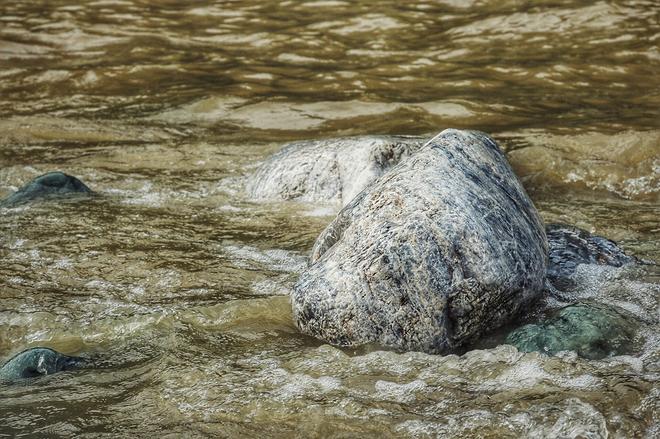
{"x":442,"y":248}
{"x":335,"y":170}
{"x":50,"y":185}
{"x":593,"y":331}
{"x":331,"y":170}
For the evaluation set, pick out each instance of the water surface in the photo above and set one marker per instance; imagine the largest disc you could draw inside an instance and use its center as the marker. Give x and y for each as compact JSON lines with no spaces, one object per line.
{"x":176,"y":283}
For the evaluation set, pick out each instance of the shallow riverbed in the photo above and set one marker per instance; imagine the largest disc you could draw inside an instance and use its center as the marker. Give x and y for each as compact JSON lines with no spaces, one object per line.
{"x":177,"y":285}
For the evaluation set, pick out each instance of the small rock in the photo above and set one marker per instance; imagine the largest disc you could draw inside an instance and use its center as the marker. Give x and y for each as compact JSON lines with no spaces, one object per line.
{"x":331,"y":170}
{"x":36,"y":362}
{"x":52,"y":184}
{"x":593,"y":331}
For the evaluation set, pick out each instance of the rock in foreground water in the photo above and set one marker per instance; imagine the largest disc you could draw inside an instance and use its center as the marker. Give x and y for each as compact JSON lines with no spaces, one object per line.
{"x":440,"y":249}
{"x":593,"y":331}
{"x":571,"y":246}
{"x":52,"y":184}
{"x":332,"y":170}
{"x":36,"y":362}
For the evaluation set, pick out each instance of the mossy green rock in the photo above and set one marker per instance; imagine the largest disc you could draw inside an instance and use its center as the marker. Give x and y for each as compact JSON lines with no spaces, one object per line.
{"x":593,"y":331}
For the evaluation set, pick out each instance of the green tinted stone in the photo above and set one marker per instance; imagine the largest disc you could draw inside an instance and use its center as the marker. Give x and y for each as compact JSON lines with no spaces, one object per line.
{"x":593,"y":331}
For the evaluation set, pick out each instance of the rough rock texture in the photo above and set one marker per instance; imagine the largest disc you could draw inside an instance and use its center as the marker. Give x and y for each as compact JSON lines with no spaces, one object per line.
{"x":36,"y":362}
{"x":52,"y":184}
{"x":442,"y":248}
{"x":335,"y":170}
{"x":570,"y":246}
{"x":332,"y":170}
{"x":593,"y":331}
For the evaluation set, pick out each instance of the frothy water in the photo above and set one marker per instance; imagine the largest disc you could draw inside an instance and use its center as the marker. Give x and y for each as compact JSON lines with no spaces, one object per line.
{"x":174,"y":283}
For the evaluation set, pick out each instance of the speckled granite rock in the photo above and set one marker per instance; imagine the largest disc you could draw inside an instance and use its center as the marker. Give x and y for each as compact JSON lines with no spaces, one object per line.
{"x":332,"y":170}
{"x":36,"y":362}
{"x":335,"y":170}
{"x":593,"y":331}
{"x":439,"y":250}
{"x":570,"y":246}
{"x":52,"y":184}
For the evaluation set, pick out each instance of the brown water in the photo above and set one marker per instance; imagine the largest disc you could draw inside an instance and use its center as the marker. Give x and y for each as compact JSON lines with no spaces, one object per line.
{"x":177,"y":285}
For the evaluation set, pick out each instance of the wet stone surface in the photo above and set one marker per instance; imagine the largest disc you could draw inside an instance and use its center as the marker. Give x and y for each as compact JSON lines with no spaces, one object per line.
{"x":36,"y":362}
{"x":571,"y":246}
{"x":48,"y":186}
{"x":593,"y":331}
{"x":329,"y":171}
{"x":443,"y":248}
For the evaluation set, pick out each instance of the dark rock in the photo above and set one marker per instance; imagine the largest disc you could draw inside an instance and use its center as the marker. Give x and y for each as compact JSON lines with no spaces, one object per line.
{"x":50,"y":185}
{"x":36,"y":362}
{"x":593,"y":331}
{"x":442,"y":248}
{"x":569,"y":246}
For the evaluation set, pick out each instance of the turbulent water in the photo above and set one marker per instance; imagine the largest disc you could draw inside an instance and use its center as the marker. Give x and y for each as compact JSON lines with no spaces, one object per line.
{"x":176,"y":285}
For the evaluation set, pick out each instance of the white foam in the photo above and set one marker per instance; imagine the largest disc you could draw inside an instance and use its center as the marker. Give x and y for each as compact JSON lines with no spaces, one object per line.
{"x":275,"y":259}
{"x":403,"y":393}
{"x":271,"y":287}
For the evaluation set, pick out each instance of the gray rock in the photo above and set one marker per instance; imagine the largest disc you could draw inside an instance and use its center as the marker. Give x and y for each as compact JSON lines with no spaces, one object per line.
{"x":570,"y":246}
{"x":439,"y":250}
{"x":335,"y":170}
{"x":52,"y":184}
{"x":593,"y":331}
{"x":36,"y":362}
{"x":332,"y":170}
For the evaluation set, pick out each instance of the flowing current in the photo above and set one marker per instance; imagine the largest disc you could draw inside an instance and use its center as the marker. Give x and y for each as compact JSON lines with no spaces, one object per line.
{"x":176,"y":284}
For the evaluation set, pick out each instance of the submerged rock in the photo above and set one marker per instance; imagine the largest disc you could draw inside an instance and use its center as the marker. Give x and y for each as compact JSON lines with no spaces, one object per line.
{"x":593,"y":331}
{"x":36,"y":362}
{"x":569,"y":246}
{"x":332,"y":170}
{"x":52,"y":184}
{"x":442,"y":248}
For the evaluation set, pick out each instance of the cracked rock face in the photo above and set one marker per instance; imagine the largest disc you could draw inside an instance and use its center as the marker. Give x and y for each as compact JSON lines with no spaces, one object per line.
{"x":442,"y":248}
{"x":331,"y":170}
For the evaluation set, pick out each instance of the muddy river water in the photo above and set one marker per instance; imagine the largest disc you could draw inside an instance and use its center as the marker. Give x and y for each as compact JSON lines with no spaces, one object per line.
{"x":177,"y":285}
